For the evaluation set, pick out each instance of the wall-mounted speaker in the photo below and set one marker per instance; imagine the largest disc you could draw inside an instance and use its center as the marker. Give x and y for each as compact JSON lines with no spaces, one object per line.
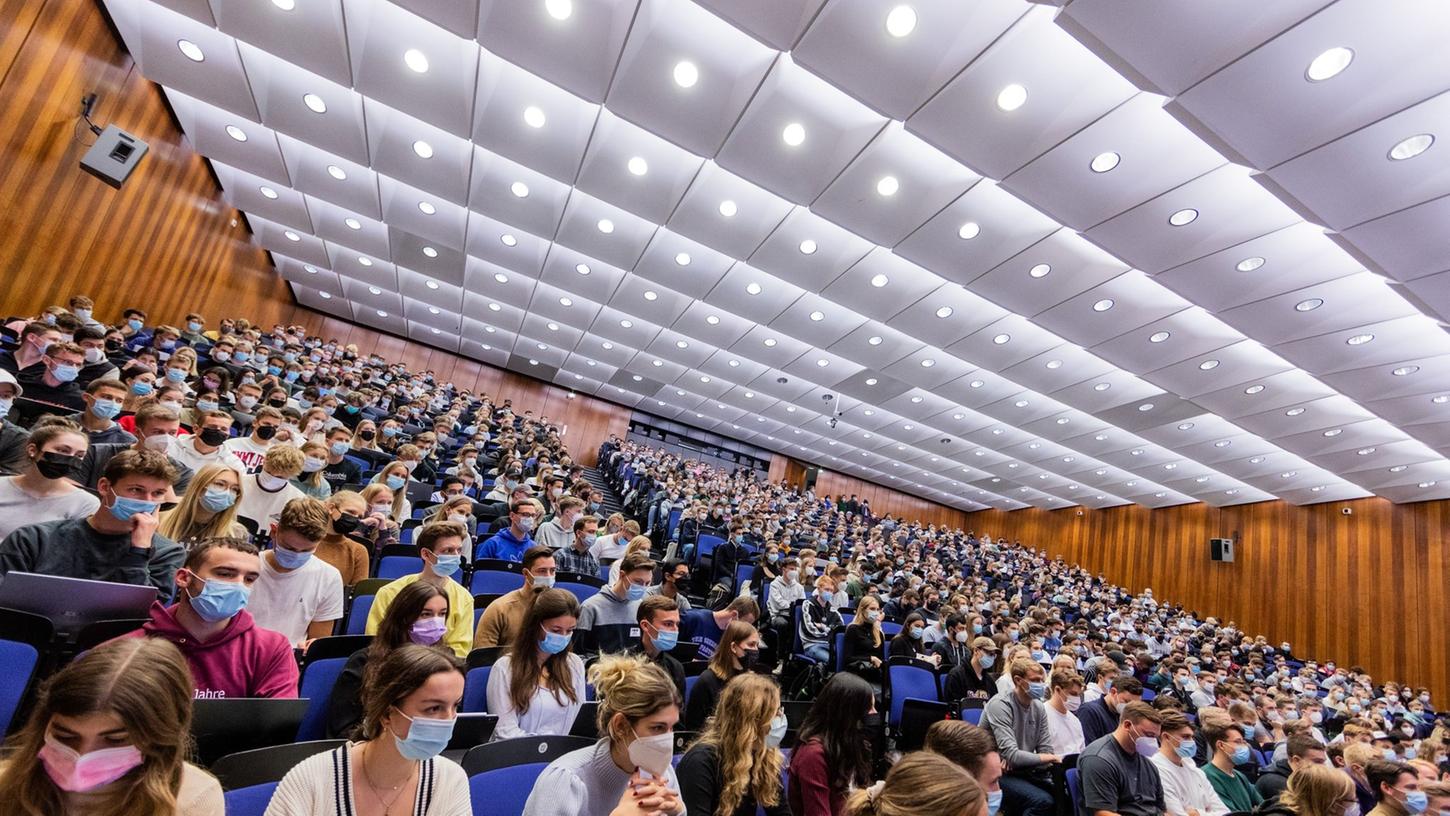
{"x":114,"y":155}
{"x":1221,"y":549}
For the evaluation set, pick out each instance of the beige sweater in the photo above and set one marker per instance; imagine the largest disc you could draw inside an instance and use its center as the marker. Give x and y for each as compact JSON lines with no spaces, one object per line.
{"x":200,"y":795}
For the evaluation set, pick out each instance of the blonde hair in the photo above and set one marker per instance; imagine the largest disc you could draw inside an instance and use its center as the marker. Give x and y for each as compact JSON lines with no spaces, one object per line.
{"x":374,"y":490}
{"x":284,"y":460}
{"x":1315,"y":790}
{"x":145,"y":682}
{"x":919,"y":783}
{"x":630,"y":686}
{"x":737,"y":731}
{"x":316,"y":450}
{"x":638,"y":544}
{"x":180,"y":523}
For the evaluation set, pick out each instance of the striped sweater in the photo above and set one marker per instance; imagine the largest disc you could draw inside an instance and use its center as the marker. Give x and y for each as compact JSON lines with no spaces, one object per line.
{"x":322,"y":785}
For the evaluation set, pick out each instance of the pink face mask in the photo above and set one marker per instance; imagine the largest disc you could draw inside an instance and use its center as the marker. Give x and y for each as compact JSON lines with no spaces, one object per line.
{"x":74,"y":772}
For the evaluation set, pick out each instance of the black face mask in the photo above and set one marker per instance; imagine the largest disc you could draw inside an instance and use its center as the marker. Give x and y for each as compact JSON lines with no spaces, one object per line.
{"x":276,"y":403}
{"x":113,"y":346}
{"x":747,"y":661}
{"x":56,"y":465}
{"x":212,"y":436}
{"x":366,"y":436}
{"x":345,"y":523}
{"x":265,"y":432}
{"x":871,"y":723}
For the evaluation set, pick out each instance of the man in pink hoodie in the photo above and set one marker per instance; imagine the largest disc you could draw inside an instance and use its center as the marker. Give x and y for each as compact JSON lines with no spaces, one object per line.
{"x":229,"y":655}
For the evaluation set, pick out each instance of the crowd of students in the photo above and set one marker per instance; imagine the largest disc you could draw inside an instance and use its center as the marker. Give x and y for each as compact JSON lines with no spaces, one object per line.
{"x":254,"y":478}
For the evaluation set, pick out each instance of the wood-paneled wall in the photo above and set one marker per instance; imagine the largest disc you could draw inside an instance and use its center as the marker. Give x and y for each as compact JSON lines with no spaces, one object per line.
{"x":1371,"y":588}
{"x":885,"y":500}
{"x":165,"y":241}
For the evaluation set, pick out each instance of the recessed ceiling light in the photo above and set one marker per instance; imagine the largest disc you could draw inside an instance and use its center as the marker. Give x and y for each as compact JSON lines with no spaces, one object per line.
{"x":268,"y":192}
{"x":817,"y":316}
{"x":1308,"y":305}
{"x":626,"y":323}
{"x":1208,"y":365}
{"x":430,"y":252}
{"x":534,"y":116}
{"x":494,"y":307}
{"x":373,"y":290}
{"x":1253,"y":389}
{"x":363,"y":260}
{"x":501,"y":277}
{"x":582,"y":269}
{"x":352,"y":223}
{"x":1222,"y":443}
{"x":997,"y":431}
{"x":752,"y":288}
{"x":686,"y":74}
{"x":336,"y":172}
{"x":1427,"y":484}
{"x":1001,"y":339}
{"x":823,"y":363}
{"x":651,"y":295}
{"x":1359,"y":339}
{"x":969,"y":230}
{"x":1329,"y":64}
{"x":793,"y":134}
{"x":1405,"y":371}
{"x":874,"y":340}
{"x":944,"y":312}
{"x":1184,"y":426}
{"x":1333,"y":432}
{"x":1103,"y":305}
{"x":728,"y":208}
{"x":1365,"y":451}
{"x":314,"y":102}
{"x":1293,"y":412}
{"x":508,"y":240}
{"x":872,"y":381}
{"x":519,"y":189}
{"x":311,"y":270}
{"x":682,"y":259}
{"x":681,"y":344}
{"x":1183,"y":217}
{"x":1021,"y":403}
{"x":236,"y":133}
{"x":427,"y":207}
{"x":285,"y":5}
{"x":1398,"y":468}
{"x":808,"y":247}
{"x":1103,"y":162}
{"x":1011,"y":97}
{"x":976,"y":384}
{"x":1147,"y":406}
{"x":928,"y":363}
{"x":325,"y":296}
{"x":713,"y":320}
{"x":416,"y":60}
{"x":1102,"y":386}
{"x":605,"y":226}
{"x":901,"y":21}
{"x":1054,"y":364}
{"x":1411,"y":147}
{"x":1441,"y":400}
{"x":1233,"y":492}
{"x":1288,"y":474}
{"x":606,"y":345}
{"x":191,"y":50}
{"x":559,"y":9}
{"x":769,"y":342}
{"x":1062,"y":420}
{"x":382,"y":313}
{"x":1249,"y":264}
{"x":887,"y":186}
{"x":1170,"y":466}
{"x":638,"y":166}
{"x":657,"y":363}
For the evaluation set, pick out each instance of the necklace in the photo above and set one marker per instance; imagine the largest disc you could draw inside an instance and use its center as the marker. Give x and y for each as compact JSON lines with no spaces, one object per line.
{"x":377,"y":794}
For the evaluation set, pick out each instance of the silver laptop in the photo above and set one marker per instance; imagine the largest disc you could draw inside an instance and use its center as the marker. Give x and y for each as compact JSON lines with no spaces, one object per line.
{"x":72,"y":603}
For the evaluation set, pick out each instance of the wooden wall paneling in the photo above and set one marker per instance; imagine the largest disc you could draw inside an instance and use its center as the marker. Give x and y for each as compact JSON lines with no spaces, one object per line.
{"x":166,"y":239}
{"x":885,"y":500}
{"x":1369,"y":588}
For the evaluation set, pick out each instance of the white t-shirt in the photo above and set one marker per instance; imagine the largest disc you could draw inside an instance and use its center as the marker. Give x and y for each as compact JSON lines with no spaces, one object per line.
{"x":18,"y":508}
{"x":184,"y":451}
{"x":610,"y":545}
{"x":263,"y":506}
{"x":288,"y":602}
{"x":1064,"y":732}
{"x":249,"y":452}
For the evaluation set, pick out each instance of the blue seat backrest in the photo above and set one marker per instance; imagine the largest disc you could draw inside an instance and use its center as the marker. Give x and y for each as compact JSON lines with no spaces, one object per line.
{"x":690,"y":685}
{"x":396,"y":566}
{"x":673,"y":523}
{"x":910,"y":681}
{"x":249,"y":801}
{"x":707,"y":545}
{"x":581,"y":591}
{"x":357,"y":617}
{"x":495,"y":582}
{"x":838,"y":648}
{"x":1074,"y":789}
{"x":475,"y":691}
{"x":972,"y":715}
{"x":318,"y":679}
{"x":890,"y":629}
{"x":19,"y":660}
{"x":503,"y":791}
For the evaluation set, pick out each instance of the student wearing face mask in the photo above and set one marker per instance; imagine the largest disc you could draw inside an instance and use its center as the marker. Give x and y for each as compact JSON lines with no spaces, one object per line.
{"x":505,"y":617}
{"x":818,"y":619}
{"x":339,"y":469}
{"x":109,"y":735}
{"x":907,"y":642}
{"x":35,"y":338}
{"x":952,"y":649}
{"x":557,"y":532}
{"x":833,"y":752}
{"x":608,"y":616}
{"x":1186,"y":790}
{"x":50,"y":385}
{"x":738,"y":653}
{"x":458,"y":509}
{"x":537,"y":687}
{"x":252,"y":448}
{"x":229,"y":654}
{"x":103,"y":400}
{"x":340,"y":548}
{"x":206,"y":445}
{"x":117,"y":542}
{"x":734,"y":767}
{"x":1065,"y":689}
{"x":1230,"y":749}
{"x":1018,"y":722}
{"x":410,"y":704}
{"x":629,"y":769}
{"x":510,"y":543}
{"x":310,"y":480}
{"x":674,"y":582}
{"x":298,"y":595}
{"x":1396,"y":789}
{"x":418,"y":613}
{"x":440,"y":545}
{"x":12,"y":436}
{"x":268,"y":490}
{"x":395,"y":477}
{"x":208,"y":508}
{"x":42,"y":492}
{"x":659,"y":632}
{"x":785,"y":590}
{"x":155,"y":427}
{"x":1116,"y":772}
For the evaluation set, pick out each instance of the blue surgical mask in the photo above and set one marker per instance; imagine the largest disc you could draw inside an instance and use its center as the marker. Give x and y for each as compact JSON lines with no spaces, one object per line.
{"x":290,"y":560}
{"x":176,"y":374}
{"x":1416,"y":801}
{"x":390,"y":431}
{"x":193,"y":327}
{"x":217,"y":500}
{"x":140,"y":388}
{"x":1248,"y":729}
{"x":1241,"y":755}
{"x":426,"y":737}
{"x":274,"y":370}
{"x":994,"y":802}
{"x":242,"y":356}
{"x":135,"y":324}
{"x":447,"y":565}
{"x":65,"y":373}
{"x":105,"y":409}
{"x":292,"y":376}
{"x":338,"y":448}
{"x":124,"y":507}
{"x":396,"y":482}
{"x":976,"y":628}
{"x":220,"y":600}
{"x":665,"y":641}
{"x":916,"y":632}
{"x":555,"y":643}
{"x":1037,"y":691}
{"x":1186,"y":749}
{"x":635,"y":592}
